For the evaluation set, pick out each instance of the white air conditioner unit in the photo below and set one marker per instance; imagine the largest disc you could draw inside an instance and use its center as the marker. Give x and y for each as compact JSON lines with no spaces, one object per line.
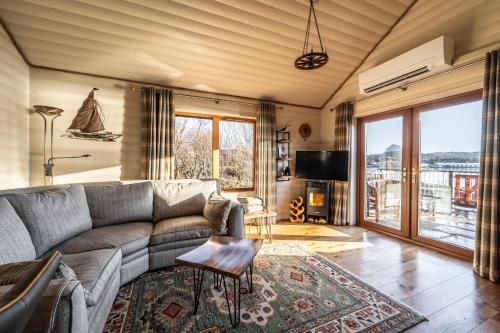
{"x":427,"y":59}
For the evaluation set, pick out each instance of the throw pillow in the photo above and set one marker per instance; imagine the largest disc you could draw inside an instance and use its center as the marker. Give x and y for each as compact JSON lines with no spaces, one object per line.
{"x":216,"y":211}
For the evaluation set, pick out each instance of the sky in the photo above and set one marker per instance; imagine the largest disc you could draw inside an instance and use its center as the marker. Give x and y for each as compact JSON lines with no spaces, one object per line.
{"x":456,"y":128}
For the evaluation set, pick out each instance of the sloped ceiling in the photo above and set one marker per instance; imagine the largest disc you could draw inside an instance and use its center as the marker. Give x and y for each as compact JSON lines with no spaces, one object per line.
{"x":472,"y":24}
{"x":238,"y":47}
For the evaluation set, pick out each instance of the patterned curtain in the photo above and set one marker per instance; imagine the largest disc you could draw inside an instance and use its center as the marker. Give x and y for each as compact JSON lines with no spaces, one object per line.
{"x":339,"y":202}
{"x":266,"y":154}
{"x":487,"y":255}
{"x":157,"y":134}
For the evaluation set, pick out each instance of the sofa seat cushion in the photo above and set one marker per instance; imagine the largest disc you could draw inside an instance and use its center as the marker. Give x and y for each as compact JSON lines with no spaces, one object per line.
{"x":52,"y":216}
{"x":181,"y":228}
{"x":114,"y":204}
{"x":129,"y":237}
{"x":94,"y":269}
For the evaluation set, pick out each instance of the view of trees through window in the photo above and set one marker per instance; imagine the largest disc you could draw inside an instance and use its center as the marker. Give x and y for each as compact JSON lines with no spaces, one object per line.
{"x":236,"y":154}
{"x":193,"y":147}
{"x":194,"y":150}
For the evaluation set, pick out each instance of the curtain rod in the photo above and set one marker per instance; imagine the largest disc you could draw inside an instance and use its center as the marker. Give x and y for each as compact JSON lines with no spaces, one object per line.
{"x":403,"y":87}
{"x":214,"y":99}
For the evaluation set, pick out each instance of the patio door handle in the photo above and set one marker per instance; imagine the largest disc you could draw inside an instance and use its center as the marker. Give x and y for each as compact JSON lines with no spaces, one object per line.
{"x":414,"y":173}
{"x":405,"y":175}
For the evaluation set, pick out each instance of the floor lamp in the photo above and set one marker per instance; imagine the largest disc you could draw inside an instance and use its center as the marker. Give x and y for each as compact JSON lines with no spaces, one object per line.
{"x":49,"y":114}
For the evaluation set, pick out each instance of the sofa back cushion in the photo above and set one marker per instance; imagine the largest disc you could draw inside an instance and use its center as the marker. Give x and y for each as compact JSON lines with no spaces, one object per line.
{"x":181,"y":198}
{"x":52,"y":216}
{"x":15,"y":241}
{"x":113,"y":204}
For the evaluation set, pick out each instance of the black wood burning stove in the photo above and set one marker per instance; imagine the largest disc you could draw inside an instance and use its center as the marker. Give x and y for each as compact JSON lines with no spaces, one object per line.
{"x":318,"y":201}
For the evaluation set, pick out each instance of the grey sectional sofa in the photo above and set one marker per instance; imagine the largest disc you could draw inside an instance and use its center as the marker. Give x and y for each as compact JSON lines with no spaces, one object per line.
{"x":108,"y":233}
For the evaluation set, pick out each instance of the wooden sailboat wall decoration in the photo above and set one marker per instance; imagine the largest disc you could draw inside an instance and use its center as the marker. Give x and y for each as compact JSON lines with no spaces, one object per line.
{"x":87,"y":124}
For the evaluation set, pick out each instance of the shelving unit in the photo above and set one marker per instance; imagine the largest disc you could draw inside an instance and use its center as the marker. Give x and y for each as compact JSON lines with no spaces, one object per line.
{"x":283,"y":158}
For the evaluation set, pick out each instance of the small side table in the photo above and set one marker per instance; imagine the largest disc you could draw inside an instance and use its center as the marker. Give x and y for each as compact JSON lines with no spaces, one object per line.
{"x":266,"y":216}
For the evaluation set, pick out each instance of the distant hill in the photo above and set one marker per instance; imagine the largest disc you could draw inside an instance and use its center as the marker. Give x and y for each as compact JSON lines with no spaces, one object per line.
{"x":450,"y":157}
{"x":430,"y":158}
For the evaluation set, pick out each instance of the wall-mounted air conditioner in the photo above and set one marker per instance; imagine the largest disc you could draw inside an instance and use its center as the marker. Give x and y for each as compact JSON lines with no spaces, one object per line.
{"x":427,"y":59}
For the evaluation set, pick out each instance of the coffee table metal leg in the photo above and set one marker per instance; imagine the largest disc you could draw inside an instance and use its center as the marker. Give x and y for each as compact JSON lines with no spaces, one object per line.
{"x":234,"y":316}
{"x":249,"y":275}
{"x":217,"y":280}
{"x":197,"y":284}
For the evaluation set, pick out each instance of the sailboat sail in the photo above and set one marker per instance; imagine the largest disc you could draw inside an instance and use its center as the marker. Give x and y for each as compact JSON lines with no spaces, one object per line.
{"x":87,"y":123}
{"x":87,"y":118}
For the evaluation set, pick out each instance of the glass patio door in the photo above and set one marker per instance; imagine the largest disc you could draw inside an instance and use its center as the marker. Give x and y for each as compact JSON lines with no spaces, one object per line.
{"x":445,"y":174}
{"x":418,"y":172}
{"x":384,"y":172}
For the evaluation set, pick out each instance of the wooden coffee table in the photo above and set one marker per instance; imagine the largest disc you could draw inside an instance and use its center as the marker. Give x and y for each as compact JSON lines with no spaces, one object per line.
{"x":225,"y":257}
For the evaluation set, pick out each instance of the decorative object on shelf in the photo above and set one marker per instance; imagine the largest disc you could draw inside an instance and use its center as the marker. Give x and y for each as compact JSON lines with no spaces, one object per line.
{"x":305,"y":131}
{"x":297,"y":210}
{"x":283,"y":159}
{"x":50,"y":112}
{"x":284,"y":128}
{"x":87,"y":124}
{"x":311,"y":60}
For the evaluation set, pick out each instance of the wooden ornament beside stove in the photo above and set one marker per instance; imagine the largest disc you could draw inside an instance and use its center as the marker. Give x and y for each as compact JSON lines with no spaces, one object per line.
{"x":297,"y":210}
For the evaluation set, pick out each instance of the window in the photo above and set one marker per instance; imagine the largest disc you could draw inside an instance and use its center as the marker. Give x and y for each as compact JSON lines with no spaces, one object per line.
{"x":218,"y":147}
{"x":193,"y":147}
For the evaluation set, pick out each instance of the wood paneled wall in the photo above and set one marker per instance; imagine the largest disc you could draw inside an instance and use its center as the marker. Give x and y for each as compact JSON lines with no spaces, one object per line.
{"x":473,"y":24}
{"x":14,"y":122}
{"x":121,"y":160}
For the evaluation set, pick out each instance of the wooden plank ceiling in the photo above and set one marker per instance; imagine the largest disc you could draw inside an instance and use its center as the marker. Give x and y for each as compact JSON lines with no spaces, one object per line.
{"x":238,"y":47}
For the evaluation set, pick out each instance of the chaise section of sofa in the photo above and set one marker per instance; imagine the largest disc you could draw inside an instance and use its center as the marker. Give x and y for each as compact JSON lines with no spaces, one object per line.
{"x":109,"y":234}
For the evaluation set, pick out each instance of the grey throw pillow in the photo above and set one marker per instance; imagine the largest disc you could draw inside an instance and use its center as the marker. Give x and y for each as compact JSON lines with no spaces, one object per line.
{"x":15,"y":241}
{"x":216,"y":211}
{"x":52,"y":216}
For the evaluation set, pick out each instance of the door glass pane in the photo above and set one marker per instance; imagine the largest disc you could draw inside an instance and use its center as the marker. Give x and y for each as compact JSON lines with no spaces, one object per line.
{"x":236,"y":144}
{"x":450,"y":140}
{"x":383,"y":166}
{"x":193,"y":147}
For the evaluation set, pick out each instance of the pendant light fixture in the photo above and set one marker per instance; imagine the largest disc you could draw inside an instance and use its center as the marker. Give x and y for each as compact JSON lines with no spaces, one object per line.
{"x":311,"y":60}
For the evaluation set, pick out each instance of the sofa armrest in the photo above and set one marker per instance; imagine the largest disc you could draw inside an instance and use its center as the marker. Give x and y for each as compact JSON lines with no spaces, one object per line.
{"x":66,"y":297}
{"x":235,"y":221}
{"x":71,"y":313}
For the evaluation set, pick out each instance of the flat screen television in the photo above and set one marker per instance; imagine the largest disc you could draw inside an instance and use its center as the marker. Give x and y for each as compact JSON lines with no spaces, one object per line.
{"x":322,"y":165}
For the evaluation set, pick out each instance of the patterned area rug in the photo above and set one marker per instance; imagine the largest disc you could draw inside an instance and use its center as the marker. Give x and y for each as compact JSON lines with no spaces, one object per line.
{"x":295,"y":290}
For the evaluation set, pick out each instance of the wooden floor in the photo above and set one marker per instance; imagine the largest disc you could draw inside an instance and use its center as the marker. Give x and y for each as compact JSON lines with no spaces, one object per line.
{"x":441,"y":287}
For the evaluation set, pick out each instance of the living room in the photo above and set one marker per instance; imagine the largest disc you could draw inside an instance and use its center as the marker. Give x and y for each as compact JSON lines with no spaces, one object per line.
{"x":335,"y":160}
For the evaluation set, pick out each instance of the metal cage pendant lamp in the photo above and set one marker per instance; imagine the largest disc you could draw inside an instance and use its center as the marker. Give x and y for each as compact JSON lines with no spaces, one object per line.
{"x":311,"y":60}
